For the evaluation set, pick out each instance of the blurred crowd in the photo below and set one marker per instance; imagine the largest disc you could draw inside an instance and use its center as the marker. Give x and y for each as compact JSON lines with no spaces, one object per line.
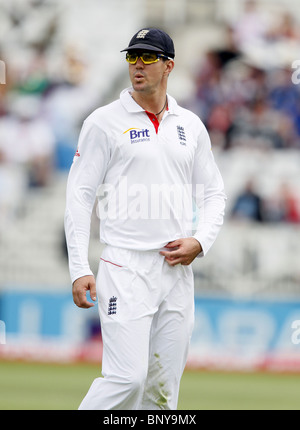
{"x":45,"y":96}
{"x":245,"y":96}
{"x":251,"y":206}
{"x":248,"y":100}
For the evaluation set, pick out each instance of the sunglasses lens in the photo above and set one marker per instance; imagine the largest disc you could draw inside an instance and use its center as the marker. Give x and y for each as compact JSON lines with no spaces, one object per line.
{"x":131,"y":58}
{"x":147,"y":57}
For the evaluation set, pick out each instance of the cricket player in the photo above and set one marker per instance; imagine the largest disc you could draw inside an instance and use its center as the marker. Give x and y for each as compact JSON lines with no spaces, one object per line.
{"x":147,"y":161}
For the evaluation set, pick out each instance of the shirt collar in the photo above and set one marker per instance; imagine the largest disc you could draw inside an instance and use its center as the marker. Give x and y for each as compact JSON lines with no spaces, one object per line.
{"x":132,"y":106}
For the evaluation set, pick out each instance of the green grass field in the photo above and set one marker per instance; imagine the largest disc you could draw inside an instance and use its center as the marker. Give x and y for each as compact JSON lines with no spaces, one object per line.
{"x":53,"y":387}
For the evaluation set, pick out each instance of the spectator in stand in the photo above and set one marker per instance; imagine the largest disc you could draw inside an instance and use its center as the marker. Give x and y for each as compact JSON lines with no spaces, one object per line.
{"x":284,"y":97}
{"x":27,"y":140}
{"x":263,"y":127}
{"x":284,"y":206}
{"x":248,"y":205}
{"x":230,"y":51}
{"x":290,"y":204}
{"x":285,"y":29}
{"x":251,"y":26}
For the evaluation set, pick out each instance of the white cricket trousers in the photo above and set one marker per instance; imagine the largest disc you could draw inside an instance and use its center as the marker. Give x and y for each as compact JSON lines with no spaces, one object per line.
{"x":146,"y":312}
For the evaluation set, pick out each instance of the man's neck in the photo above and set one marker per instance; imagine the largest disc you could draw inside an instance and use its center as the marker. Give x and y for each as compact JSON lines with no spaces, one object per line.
{"x":154,"y":103}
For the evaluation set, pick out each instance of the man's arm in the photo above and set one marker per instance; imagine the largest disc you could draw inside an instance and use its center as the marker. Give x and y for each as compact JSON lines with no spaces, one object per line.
{"x":208,"y":193}
{"x":86,"y":174}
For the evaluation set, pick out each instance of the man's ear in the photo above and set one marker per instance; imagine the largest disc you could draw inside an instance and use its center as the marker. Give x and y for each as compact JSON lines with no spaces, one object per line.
{"x":169,"y":66}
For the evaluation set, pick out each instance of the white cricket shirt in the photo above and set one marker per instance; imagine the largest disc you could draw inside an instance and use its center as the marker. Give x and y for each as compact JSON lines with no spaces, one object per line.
{"x":146,"y":177}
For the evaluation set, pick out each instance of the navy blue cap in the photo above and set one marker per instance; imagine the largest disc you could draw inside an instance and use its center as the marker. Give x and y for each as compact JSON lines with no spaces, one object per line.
{"x":152,"y":39}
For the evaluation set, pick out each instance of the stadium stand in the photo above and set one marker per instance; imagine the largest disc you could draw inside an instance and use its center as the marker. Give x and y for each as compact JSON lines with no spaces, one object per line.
{"x":64,"y":71}
{"x":234,"y":69}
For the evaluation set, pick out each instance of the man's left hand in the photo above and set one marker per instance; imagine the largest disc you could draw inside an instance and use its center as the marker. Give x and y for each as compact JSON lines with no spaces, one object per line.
{"x":182,"y":251}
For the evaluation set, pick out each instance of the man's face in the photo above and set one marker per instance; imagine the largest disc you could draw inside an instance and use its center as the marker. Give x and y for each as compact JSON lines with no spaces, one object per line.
{"x":148,"y":77}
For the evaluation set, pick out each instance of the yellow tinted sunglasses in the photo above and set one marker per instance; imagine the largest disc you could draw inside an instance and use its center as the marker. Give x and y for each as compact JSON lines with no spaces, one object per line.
{"x":146,"y":57}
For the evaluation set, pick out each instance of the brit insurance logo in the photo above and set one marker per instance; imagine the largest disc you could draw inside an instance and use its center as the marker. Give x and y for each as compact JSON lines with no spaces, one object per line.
{"x":138,"y":135}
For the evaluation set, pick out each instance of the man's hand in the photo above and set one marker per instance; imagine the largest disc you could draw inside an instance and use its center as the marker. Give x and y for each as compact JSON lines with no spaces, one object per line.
{"x":182,"y":251}
{"x":80,"y":287}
